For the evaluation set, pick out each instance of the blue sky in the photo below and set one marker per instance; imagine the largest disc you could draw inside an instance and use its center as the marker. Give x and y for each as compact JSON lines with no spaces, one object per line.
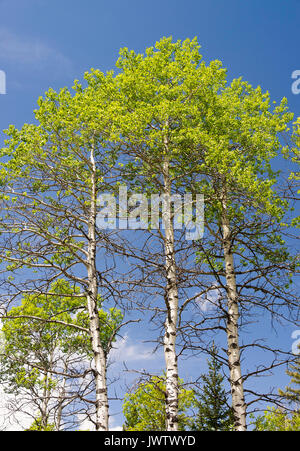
{"x":49,"y":44}
{"x":46,"y":43}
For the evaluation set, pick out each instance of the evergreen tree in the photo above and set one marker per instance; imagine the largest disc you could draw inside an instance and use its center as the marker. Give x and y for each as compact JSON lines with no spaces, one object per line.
{"x":292,"y":393}
{"x":214,"y":414}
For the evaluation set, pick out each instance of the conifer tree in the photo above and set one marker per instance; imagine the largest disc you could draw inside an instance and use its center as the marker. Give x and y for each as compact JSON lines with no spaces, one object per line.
{"x":292,"y":391}
{"x":214,"y":414}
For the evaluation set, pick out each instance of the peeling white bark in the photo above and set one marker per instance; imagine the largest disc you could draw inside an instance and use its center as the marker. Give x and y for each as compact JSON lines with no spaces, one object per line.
{"x":171,"y":298}
{"x":61,"y":402}
{"x":46,"y":398}
{"x":236,"y":380}
{"x":98,"y":352}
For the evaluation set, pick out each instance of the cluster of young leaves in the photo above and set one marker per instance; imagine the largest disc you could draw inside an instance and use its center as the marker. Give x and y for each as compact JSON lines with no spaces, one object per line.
{"x":109,"y":322}
{"x":277,"y":420}
{"x":296,"y":156}
{"x":38,"y":426}
{"x":209,"y":126}
{"x":295,"y":175}
{"x":43,"y":324}
{"x":144,"y":409}
{"x":45,"y":170}
{"x":68,"y":122}
{"x":163,"y":92}
{"x":219,"y":137}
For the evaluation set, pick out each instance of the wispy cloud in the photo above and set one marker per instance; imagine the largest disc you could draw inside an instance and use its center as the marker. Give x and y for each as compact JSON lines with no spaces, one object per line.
{"x":30,"y":51}
{"x":209,"y":301}
{"x":127,"y":351}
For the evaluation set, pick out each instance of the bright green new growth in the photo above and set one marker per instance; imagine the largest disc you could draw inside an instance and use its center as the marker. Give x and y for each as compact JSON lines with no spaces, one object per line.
{"x":296,"y":156}
{"x":38,"y":426}
{"x":40,"y":340}
{"x":211,"y":126}
{"x":277,"y":420}
{"x":43,"y":322}
{"x":144,"y":409}
{"x":219,"y":138}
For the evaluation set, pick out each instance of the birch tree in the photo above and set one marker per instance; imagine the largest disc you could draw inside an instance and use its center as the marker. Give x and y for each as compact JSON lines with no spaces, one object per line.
{"x":46,"y":356}
{"x":185,"y":128}
{"x":51,"y":174}
{"x":158,"y":94}
{"x":244,"y":216}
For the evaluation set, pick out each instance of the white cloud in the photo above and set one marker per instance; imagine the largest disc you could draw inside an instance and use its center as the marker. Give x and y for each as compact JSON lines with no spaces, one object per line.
{"x":204,"y":304}
{"x":30,"y":51}
{"x":112,"y":426}
{"x":127,"y":351}
{"x":87,"y":425}
{"x":10,"y":420}
{"x":208,"y":301}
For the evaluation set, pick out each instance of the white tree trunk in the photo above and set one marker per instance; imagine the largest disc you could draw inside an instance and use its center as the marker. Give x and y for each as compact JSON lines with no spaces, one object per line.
{"x":46,"y":397}
{"x":98,"y":352}
{"x":62,"y":396}
{"x":172,"y":313}
{"x":236,"y":380}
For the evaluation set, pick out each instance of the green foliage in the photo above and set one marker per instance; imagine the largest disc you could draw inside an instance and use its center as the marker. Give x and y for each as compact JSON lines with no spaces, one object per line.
{"x":39,"y":340}
{"x":144,"y":409}
{"x":292,"y":391}
{"x":47,"y":166}
{"x":296,"y":149}
{"x":166,"y":105}
{"x":213,"y":412}
{"x":33,"y":340}
{"x":38,"y":426}
{"x":277,"y":420}
{"x":170,"y":94}
{"x":294,"y":154}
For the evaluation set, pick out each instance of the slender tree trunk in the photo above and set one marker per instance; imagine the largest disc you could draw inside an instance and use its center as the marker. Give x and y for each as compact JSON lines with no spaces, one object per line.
{"x":172,"y":311}
{"x":47,"y":392}
{"x":44,"y":410}
{"x":98,"y":352}
{"x":236,"y":380}
{"x":61,"y":403}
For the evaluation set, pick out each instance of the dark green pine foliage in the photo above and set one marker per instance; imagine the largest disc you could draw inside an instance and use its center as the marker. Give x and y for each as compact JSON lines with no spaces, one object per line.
{"x":292,"y":391}
{"x":213,"y":411}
